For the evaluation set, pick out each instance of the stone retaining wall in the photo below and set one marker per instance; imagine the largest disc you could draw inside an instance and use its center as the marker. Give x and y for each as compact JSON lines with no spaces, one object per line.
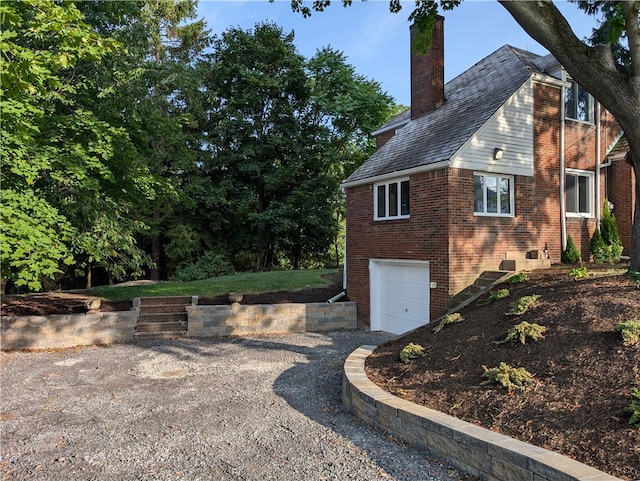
{"x":239,"y":320}
{"x":473,"y":449}
{"x":67,"y":330}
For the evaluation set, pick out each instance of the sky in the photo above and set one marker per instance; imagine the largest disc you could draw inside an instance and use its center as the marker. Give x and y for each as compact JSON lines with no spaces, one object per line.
{"x":376,"y":42}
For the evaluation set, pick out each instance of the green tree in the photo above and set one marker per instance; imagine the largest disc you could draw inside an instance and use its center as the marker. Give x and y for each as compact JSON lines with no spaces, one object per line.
{"x":49,"y":145}
{"x":609,"y":71}
{"x":150,"y":85}
{"x":282,"y":132}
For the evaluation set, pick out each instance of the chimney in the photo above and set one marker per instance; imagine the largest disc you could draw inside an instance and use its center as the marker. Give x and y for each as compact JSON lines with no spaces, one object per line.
{"x":427,"y":73}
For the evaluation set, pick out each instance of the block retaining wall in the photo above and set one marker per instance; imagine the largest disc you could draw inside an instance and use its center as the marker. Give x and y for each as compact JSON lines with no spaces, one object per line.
{"x":68,"y":330}
{"x":238,"y":319}
{"x":478,"y":451}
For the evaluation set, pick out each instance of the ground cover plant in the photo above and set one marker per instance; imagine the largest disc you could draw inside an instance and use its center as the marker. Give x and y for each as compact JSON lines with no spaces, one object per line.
{"x":578,"y":402}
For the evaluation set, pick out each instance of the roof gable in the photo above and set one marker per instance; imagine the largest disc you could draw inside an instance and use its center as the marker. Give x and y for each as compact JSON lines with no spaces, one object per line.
{"x":471,"y":99}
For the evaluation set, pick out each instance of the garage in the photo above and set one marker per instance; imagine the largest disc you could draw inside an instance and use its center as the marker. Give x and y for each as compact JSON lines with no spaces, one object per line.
{"x":399,"y":295}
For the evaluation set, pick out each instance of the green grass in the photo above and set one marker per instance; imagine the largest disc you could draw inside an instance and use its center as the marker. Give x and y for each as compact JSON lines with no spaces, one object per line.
{"x":248,"y":282}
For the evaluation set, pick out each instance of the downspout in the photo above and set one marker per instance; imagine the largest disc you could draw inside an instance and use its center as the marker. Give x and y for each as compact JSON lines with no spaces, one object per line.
{"x":563,"y":208}
{"x":598,"y":199}
{"x":344,"y":253}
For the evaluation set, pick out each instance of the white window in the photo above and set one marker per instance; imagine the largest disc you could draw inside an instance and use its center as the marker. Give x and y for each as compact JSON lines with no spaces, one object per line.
{"x":391,"y":200}
{"x":578,"y":104}
{"x":578,"y":188}
{"x":493,"y":195}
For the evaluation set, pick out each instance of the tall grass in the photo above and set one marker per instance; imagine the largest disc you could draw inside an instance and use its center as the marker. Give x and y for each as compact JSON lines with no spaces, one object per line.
{"x":248,"y":282}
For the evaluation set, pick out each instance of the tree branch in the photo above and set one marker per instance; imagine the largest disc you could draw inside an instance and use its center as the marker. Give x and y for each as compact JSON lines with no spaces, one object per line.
{"x":630,"y":11}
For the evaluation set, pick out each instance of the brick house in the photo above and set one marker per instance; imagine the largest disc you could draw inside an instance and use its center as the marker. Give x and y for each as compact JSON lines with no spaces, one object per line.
{"x":471,"y":179}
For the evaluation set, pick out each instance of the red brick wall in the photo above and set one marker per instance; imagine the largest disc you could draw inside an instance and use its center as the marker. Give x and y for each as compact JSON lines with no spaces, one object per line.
{"x":421,"y":237}
{"x":427,"y":73}
{"x":623,"y":195}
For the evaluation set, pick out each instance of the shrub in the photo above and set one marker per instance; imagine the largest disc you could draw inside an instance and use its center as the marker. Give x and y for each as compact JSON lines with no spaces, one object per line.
{"x":634,"y":408}
{"x":507,"y":376}
{"x":208,"y":266}
{"x":411,"y":351}
{"x":501,"y":294}
{"x":570,"y":255}
{"x":518,"y":278}
{"x":605,"y":243}
{"x":524,"y":331}
{"x":448,"y":319}
{"x":629,"y":331}
{"x":522,"y":305}
{"x":579,"y":273}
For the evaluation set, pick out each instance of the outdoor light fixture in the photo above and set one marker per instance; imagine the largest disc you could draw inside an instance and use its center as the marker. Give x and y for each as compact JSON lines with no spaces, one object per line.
{"x":497,"y":153}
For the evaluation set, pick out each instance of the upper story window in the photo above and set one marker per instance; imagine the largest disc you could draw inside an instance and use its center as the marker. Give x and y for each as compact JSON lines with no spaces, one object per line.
{"x":391,"y":200}
{"x":579,"y":193}
{"x":493,"y":195}
{"x":578,"y":104}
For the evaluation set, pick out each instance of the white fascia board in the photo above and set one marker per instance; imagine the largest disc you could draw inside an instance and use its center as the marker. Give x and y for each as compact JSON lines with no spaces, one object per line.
{"x":395,"y":126}
{"x":395,"y":174}
{"x":550,"y":80}
{"x":611,"y":146}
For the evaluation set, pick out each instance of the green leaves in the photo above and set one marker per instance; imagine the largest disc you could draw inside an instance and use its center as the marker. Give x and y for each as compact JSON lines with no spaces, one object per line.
{"x":33,"y":240}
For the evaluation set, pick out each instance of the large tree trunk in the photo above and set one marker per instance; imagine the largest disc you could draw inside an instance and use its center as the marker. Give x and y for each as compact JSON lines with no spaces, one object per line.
{"x":594,"y":69}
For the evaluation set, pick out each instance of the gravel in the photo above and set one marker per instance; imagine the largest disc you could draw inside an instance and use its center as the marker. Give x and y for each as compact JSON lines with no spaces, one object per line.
{"x":257,"y":408}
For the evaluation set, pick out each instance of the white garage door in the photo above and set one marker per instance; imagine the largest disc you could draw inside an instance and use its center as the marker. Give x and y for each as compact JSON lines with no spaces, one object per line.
{"x":399,"y":295}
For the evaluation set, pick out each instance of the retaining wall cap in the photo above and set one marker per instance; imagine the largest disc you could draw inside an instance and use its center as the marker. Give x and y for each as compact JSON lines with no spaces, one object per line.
{"x":542,"y":462}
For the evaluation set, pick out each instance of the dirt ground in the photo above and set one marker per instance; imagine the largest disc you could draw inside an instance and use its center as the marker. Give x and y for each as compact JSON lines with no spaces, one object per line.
{"x":48,"y":303}
{"x":583,"y":374}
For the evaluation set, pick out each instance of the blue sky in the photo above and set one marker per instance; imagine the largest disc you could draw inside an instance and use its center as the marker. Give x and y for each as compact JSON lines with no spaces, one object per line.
{"x":376,"y":42}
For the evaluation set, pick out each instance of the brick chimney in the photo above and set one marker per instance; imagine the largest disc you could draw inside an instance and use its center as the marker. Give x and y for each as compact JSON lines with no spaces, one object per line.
{"x":427,"y":73}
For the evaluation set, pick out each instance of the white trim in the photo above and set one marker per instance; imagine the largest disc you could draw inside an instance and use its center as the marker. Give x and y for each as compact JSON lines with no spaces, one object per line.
{"x":512,"y":196}
{"x":397,"y":181}
{"x":549,"y":80}
{"x":397,"y":173}
{"x":395,"y":126}
{"x":591,"y":175}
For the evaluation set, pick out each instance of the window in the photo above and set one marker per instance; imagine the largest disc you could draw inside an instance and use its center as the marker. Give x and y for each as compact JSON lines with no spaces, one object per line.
{"x":493,"y":195}
{"x":579,"y":193}
{"x":578,"y":104}
{"x":392,"y":200}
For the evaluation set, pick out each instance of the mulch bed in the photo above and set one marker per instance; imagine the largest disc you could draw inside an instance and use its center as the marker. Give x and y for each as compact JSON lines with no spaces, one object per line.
{"x":583,"y":372}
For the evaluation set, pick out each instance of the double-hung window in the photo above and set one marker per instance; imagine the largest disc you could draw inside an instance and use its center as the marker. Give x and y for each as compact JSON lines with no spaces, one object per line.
{"x":578,"y":104}
{"x":391,"y":200}
{"x":493,"y":195}
{"x":579,"y":193}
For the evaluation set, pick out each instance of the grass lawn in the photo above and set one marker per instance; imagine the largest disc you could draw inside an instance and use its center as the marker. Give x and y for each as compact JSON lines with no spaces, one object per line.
{"x":248,"y":282}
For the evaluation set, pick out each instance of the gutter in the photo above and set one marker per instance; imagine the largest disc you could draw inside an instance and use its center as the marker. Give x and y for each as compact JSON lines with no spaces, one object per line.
{"x":395,"y":174}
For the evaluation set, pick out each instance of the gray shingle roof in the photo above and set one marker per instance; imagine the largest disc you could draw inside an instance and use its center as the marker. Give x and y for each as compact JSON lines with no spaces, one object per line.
{"x":471,"y":99}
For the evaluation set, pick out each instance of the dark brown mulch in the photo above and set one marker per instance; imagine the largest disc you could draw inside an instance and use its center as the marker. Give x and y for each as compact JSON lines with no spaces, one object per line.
{"x":583,"y":372}
{"x":73,"y":303}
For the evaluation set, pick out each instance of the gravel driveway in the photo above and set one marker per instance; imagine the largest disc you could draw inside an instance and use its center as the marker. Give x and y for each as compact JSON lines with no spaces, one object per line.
{"x":263,"y":408}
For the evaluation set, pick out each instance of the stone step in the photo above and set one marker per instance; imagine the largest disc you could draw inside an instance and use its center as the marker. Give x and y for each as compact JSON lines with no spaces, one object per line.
{"x":162,"y":308}
{"x":147,"y":336}
{"x":517,"y":265}
{"x":161,"y":326}
{"x":162,"y":317}
{"x":167,"y":300}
